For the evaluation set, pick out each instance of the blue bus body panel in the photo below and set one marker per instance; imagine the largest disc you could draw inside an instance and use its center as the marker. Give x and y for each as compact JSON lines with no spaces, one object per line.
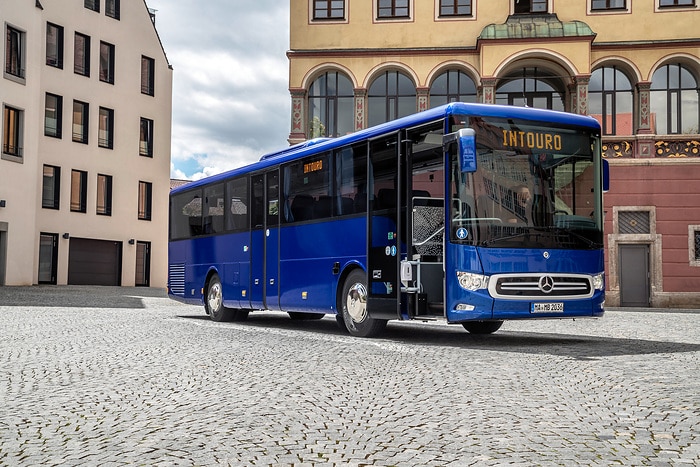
{"x":308,"y":254}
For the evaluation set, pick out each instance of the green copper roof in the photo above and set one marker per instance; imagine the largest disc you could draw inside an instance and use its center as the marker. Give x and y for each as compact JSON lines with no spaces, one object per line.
{"x":535,"y":26}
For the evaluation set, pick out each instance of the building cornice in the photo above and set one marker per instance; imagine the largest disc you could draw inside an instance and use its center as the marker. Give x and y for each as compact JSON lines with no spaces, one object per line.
{"x":376,"y":52}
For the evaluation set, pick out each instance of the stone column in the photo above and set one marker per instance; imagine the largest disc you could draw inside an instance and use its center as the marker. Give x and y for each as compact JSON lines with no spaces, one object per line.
{"x":360,"y":105}
{"x":645,"y":143}
{"x":579,"y":94}
{"x":298,"y":133}
{"x":422,"y":94}
{"x":487,"y":90}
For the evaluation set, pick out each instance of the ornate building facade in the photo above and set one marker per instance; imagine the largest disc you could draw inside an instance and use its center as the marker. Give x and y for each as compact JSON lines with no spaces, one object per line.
{"x":633,"y":65}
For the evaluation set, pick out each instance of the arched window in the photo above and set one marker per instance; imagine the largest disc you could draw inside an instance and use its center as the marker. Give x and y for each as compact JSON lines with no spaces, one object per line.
{"x":331,"y":106}
{"x":390,"y":96}
{"x":674,"y":101}
{"x":610,"y":100}
{"x":531,"y":87}
{"x":452,"y":86}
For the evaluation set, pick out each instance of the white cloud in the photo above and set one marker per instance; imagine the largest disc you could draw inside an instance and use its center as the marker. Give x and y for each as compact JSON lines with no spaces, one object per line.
{"x":230,"y":98}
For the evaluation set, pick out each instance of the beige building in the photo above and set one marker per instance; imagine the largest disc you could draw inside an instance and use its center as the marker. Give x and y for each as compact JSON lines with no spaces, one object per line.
{"x":634,"y":65}
{"x":86,"y":117}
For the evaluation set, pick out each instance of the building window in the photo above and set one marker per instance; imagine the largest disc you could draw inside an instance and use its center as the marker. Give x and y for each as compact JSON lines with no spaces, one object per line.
{"x":81,"y":54}
{"x":675,"y":105}
{"x":106,"y":62}
{"x":112,"y":8}
{"x":12,"y":131}
{"x":146,"y":138}
{"x":529,"y":6}
{"x":331,"y":105}
{"x":694,"y":245}
{"x":672,"y":3}
{"x":329,"y":9}
{"x":532,"y":87}
{"x":78,"y":191}
{"x":14,"y":52}
{"x":51,"y":187}
{"x":145,"y":200}
{"x":390,"y":96}
{"x":610,"y":101}
{"x":608,"y":5}
{"x":392,"y":9}
{"x":452,"y":86}
{"x":93,"y":5}
{"x":54,"y":45}
{"x":81,"y":112}
{"x":104,"y":195}
{"x":105,"y":137}
{"x":53,"y":116}
{"x":455,"y":7}
{"x":148,"y":70}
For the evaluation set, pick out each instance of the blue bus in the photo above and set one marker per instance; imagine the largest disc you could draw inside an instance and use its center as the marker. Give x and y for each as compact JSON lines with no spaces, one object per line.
{"x":468,"y":213}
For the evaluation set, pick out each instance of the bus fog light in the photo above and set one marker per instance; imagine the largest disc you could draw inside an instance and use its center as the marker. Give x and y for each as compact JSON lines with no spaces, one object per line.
{"x":464,"y":307}
{"x":472,"y":282}
{"x":599,"y":281}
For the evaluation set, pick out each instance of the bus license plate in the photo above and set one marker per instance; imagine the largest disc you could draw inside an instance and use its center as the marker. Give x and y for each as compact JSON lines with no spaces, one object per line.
{"x":555,"y":307}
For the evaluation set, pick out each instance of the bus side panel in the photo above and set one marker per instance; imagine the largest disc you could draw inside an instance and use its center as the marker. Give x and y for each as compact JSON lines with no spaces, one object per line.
{"x":308,"y":254}
{"x":233,"y":250}
{"x":257,"y":277}
{"x":504,"y":260}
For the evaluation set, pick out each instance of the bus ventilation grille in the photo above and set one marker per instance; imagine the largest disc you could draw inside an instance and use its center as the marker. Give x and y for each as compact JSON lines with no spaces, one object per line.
{"x":541,"y":286}
{"x":176,"y":279}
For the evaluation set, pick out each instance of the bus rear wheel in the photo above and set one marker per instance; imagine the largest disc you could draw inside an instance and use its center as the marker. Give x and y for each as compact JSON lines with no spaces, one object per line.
{"x":214,"y":303}
{"x":353,"y":307}
{"x":482,"y":327}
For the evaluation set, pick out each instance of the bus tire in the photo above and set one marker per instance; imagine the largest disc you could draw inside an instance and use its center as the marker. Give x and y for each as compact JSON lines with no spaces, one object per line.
{"x":482,"y":327}
{"x":214,"y":303}
{"x":353,"y":307}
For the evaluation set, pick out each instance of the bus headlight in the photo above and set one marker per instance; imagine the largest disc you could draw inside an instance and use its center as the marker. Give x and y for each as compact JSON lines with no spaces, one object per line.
{"x":472,"y":282}
{"x":599,"y":281}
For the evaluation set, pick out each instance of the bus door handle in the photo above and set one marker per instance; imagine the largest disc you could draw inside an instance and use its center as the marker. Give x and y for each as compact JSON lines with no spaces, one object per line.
{"x":257,"y":281}
{"x":272,"y":282}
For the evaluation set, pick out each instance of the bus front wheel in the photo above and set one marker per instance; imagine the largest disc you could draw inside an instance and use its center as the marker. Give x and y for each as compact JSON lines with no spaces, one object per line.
{"x":214,"y":303}
{"x":353,"y":307}
{"x":482,"y":327}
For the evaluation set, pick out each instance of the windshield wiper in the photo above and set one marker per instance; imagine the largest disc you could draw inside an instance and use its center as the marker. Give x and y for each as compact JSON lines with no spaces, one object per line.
{"x":583,"y":238}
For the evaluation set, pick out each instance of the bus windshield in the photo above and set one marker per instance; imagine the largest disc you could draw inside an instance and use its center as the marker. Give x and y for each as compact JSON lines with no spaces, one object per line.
{"x":534,"y":187}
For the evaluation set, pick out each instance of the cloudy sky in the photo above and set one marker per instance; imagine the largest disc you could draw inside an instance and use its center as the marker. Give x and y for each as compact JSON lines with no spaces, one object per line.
{"x":231,"y":101}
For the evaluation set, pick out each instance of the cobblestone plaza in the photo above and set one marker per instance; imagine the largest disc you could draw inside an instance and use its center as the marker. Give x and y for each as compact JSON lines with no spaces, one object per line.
{"x":125,"y":376}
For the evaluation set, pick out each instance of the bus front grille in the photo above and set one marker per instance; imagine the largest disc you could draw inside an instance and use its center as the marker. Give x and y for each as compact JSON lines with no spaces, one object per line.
{"x":540,"y":286}
{"x":176,"y":279}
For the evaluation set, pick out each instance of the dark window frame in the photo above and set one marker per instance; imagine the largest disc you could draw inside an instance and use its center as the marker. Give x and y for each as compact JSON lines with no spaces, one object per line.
{"x":530,"y":7}
{"x":606,"y":5}
{"x":146,"y":137}
{"x":324,"y":10}
{"x":148,"y":70}
{"x":465,"y":87}
{"x":58,"y":110}
{"x":15,"y":52}
{"x":145,"y":200}
{"x":103,"y":206}
{"x":54,"y":59}
{"x":451,"y":8}
{"x":391,"y":92}
{"x":78,"y":194}
{"x":12,"y":132}
{"x":610,"y":93}
{"x":674,"y":97}
{"x":83,"y":135}
{"x":396,"y":9}
{"x":676,"y":3}
{"x":81,"y":65}
{"x":105,"y":134}
{"x":324,"y":96}
{"x":93,"y":5}
{"x":107,"y":59}
{"x":51,"y":187}
{"x":113,"y":9}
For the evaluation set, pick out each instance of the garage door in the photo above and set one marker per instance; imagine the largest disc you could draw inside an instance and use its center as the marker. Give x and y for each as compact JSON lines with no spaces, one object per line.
{"x":94,"y":262}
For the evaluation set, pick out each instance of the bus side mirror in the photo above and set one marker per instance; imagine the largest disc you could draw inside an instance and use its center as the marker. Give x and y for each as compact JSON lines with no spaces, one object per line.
{"x":606,"y":176}
{"x":465,"y":139}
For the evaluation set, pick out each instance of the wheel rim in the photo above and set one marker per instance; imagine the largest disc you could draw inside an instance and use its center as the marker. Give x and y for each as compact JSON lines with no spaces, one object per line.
{"x":356,"y":302}
{"x":215,"y":297}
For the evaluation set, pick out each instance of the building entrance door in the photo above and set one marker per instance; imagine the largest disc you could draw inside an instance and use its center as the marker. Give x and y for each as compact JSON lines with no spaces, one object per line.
{"x":634,"y":275}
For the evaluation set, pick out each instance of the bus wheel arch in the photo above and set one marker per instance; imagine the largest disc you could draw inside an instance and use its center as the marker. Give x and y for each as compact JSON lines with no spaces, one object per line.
{"x":482,"y":327}
{"x":352,"y":305}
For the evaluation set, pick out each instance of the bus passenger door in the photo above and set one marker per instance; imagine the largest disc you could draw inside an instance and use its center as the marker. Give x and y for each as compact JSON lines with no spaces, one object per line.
{"x":272,"y":188}
{"x":384,"y":229}
{"x":264,"y":289}
{"x":257,"y":242}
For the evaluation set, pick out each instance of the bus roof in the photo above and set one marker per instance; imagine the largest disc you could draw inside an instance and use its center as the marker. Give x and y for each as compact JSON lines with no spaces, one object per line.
{"x":456,"y":108}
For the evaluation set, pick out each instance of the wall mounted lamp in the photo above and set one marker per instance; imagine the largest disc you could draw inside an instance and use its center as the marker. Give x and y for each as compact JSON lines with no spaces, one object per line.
{"x":66,"y":235}
{"x":131,"y":241}
{"x":3,"y":203}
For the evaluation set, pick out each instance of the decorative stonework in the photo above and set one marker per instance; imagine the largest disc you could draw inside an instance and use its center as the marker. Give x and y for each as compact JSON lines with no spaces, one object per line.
{"x":360,"y":95}
{"x":422,"y":94}
{"x":615,"y":149}
{"x":298,"y":132}
{"x":677,"y":149}
{"x":644,"y":114}
{"x":488,"y":90}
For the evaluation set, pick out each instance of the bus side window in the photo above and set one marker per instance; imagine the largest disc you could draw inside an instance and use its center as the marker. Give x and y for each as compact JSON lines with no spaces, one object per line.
{"x":258,"y":208}
{"x":237,"y":212}
{"x":351,"y":179}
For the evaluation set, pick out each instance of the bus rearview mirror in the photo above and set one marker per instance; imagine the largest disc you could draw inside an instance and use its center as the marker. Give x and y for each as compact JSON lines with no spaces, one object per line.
{"x":606,"y":175}
{"x":465,"y":138}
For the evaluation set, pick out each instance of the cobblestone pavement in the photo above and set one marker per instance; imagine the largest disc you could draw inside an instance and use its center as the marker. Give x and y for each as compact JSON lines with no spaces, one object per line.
{"x":110,"y":376}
